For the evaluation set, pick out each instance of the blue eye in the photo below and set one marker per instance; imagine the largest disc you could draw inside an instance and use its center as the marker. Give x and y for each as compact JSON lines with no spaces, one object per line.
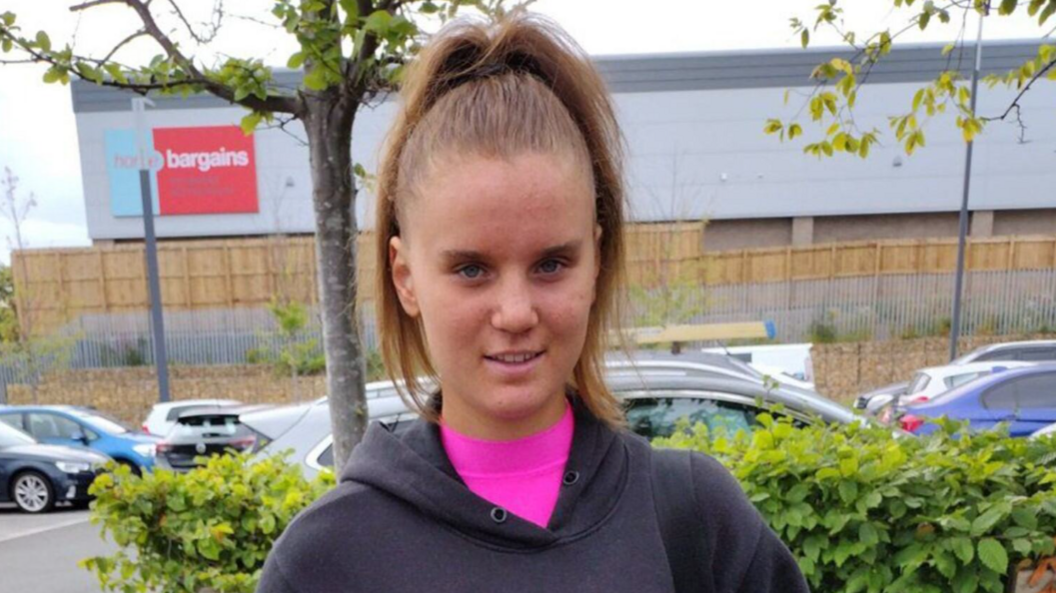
{"x":551,"y":266}
{"x":470,"y":272}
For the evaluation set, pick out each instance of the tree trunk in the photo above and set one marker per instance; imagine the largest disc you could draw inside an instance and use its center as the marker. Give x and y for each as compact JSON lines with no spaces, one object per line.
{"x":328,"y":123}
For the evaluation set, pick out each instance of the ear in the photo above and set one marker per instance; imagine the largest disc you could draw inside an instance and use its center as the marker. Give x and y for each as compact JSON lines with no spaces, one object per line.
{"x":402,"y":278}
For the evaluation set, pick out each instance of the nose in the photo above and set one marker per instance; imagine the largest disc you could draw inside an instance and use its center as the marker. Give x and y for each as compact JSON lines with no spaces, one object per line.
{"x":515,"y":312}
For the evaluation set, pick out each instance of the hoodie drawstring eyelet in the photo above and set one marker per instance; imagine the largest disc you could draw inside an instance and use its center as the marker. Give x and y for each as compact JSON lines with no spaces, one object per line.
{"x":498,"y":515}
{"x":570,"y":478}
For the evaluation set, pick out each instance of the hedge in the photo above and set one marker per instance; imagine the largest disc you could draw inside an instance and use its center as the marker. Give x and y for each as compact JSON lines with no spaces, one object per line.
{"x":865,"y":510}
{"x":861,"y":509}
{"x":206,"y":530}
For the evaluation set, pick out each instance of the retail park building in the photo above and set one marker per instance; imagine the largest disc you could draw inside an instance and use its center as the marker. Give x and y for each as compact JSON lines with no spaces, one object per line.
{"x":696,"y":151}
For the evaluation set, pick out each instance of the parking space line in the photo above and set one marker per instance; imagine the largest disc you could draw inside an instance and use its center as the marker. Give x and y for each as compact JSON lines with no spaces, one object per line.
{"x":39,"y":530}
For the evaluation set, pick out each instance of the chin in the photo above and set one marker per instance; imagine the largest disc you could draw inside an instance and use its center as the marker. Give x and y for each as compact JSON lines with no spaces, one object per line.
{"x":514,"y":403}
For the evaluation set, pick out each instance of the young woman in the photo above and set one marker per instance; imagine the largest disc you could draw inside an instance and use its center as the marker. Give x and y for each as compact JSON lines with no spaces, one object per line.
{"x":499,"y":225}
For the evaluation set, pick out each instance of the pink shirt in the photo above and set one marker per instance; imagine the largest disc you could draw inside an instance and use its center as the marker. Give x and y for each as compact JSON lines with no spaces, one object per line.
{"x":522,"y":476}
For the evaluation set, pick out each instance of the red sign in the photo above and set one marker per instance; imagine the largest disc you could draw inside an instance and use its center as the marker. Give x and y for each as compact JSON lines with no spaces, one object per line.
{"x":207,"y":170}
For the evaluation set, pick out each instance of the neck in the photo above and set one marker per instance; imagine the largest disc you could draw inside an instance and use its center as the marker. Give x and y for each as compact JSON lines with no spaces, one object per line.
{"x":477,"y":424}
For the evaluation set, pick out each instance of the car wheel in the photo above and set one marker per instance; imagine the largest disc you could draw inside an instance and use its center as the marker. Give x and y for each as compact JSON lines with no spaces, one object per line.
{"x":33,"y":492}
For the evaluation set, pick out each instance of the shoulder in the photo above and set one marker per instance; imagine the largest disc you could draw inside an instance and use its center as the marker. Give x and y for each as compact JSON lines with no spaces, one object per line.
{"x":323,"y":528}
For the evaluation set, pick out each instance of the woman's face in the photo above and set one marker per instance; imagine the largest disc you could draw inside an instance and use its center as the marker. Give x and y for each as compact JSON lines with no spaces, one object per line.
{"x":499,"y":258}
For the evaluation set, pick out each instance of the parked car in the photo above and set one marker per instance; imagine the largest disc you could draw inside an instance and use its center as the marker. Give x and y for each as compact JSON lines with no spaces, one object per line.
{"x":36,"y":476}
{"x":656,"y":398}
{"x":792,"y":360}
{"x":304,"y":430}
{"x":1030,"y":351}
{"x":885,"y":395}
{"x":162,"y":417}
{"x":75,"y":426}
{"x":930,"y":382}
{"x":1025,"y":398}
{"x":208,"y":431}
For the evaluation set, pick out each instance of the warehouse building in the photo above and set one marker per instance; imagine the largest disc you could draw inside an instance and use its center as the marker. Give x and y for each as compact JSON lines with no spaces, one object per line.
{"x":696,"y":151}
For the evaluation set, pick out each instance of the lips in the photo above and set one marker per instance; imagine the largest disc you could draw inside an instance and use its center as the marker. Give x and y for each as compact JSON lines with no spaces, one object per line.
{"x":514,"y":357}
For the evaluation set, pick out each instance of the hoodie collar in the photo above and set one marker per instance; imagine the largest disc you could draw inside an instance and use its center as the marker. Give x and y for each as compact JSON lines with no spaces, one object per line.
{"x":415,"y":468}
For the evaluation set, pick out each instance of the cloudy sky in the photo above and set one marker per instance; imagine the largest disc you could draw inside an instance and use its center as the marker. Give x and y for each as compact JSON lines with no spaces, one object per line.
{"x":38,"y":138}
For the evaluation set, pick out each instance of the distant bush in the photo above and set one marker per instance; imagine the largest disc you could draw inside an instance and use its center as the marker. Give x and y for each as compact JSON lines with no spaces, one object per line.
{"x":207,"y":530}
{"x":864,"y":511}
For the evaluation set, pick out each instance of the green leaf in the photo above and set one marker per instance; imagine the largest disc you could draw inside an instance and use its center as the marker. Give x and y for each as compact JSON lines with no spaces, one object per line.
{"x":993,"y":555}
{"x":985,"y":522}
{"x":315,"y":80}
{"x":249,"y":122}
{"x":52,"y":75}
{"x":1022,"y":547}
{"x":6,"y":44}
{"x":43,"y":42}
{"x":378,"y":22}
{"x":868,"y":535}
{"x":295,"y":60}
{"x":804,"y":38}
{"x":1007,"y":7}
{"x":8,"y":18}
{"x":964,"y":550}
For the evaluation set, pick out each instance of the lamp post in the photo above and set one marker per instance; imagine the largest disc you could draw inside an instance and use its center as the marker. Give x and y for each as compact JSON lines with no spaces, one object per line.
{"x":958,"y":289}
{"x":157,"y":325}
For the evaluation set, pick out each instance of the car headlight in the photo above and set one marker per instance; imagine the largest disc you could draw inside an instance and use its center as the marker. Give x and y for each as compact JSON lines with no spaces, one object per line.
{"x":72,"y":467}
{"x":144,"y":450}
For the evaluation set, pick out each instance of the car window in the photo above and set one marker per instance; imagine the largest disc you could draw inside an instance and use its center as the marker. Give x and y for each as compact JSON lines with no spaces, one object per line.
{"x":1001,"y":397}
{"x":956,"y":380}
{"x":1037,"y":391}
{"x":103,"y":421}
{"x":326,"y":458}
{"x":998,"y":355}
{"x":1037,"y":354}
{"x":10,"y":437}
{"x":210,"y":427}
{"x":52,"y":426}
{"x":657,"y":417}
{"x":919,"y":383}
{"x":14,"y":420}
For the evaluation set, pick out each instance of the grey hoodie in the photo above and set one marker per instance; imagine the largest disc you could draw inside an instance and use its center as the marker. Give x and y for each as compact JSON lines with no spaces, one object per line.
{"x":402,"y":520}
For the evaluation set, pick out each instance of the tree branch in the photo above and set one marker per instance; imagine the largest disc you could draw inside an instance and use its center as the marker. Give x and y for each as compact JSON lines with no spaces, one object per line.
{"x":1015,"y":102}
{"x":278,"y":104}
{"x":92,"y":3}
{"x":126,"y":40}
{"x":218,"y":11}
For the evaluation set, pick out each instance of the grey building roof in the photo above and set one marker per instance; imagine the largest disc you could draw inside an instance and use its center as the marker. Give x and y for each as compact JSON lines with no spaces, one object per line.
{"x":682,"y":71}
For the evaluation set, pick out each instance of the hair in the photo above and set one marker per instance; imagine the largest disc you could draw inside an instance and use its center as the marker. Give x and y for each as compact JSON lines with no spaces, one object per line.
{"x":499,"y":90}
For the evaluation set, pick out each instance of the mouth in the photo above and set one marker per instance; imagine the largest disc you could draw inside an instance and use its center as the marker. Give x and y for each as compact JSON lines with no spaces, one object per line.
{"x":514,"y":358}
{"x":514,"y":365}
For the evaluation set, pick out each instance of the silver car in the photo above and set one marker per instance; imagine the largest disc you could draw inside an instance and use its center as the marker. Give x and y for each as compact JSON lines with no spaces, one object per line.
{"x":656,"y":399}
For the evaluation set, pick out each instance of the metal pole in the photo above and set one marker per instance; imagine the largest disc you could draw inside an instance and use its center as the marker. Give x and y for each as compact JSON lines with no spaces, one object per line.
{"x":157,"y":325}
{"x":955,"y":325}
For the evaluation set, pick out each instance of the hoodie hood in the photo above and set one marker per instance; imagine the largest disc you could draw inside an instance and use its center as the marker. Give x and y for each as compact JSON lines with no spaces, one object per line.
{"x":414,"y":468}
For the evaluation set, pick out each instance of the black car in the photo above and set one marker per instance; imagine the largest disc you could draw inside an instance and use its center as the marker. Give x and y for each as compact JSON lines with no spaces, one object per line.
{"x":205,"y":432}
{"x":36,"y":476}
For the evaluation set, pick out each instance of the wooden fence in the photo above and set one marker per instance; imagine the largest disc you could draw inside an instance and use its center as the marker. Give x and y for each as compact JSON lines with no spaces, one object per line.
{"x":55,"y":286}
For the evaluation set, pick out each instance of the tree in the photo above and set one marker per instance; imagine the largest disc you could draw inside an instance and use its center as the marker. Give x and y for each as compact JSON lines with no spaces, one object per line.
{"x":832,"y":102}
{"x":350,"y":51}
{"x":30,"y":354}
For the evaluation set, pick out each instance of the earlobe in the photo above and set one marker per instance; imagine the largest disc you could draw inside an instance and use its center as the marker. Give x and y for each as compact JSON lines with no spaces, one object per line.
{"x":402,"y":278}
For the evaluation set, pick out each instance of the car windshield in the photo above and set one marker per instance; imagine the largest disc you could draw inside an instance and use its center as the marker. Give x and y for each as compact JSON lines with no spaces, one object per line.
{"x":103,"y":421}
{"x":920,"y":382}
{"x":13,"y":437}
{"x":208,"y":427}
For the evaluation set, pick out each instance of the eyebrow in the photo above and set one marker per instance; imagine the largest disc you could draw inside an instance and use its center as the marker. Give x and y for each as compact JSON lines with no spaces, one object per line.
{"x":458,"y":255}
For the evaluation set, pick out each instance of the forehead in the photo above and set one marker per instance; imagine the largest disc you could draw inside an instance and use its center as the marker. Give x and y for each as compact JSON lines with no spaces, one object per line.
{"x":526,"y":199}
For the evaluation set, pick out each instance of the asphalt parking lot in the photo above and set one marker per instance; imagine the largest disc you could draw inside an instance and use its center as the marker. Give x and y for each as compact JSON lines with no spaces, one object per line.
{"x":39,"y":553}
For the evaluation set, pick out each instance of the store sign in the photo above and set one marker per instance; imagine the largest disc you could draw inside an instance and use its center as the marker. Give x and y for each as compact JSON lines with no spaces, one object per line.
{"x":203,"y":170}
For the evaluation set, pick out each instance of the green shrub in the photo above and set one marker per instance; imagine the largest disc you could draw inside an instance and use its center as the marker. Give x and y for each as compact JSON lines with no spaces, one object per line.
{"x":864,"y":511}
{"x":206,"y":530}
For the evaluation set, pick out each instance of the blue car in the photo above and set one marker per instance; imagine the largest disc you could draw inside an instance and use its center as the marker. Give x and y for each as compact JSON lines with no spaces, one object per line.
{"x":84,"y":427}
{"x":1024,"y":398}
